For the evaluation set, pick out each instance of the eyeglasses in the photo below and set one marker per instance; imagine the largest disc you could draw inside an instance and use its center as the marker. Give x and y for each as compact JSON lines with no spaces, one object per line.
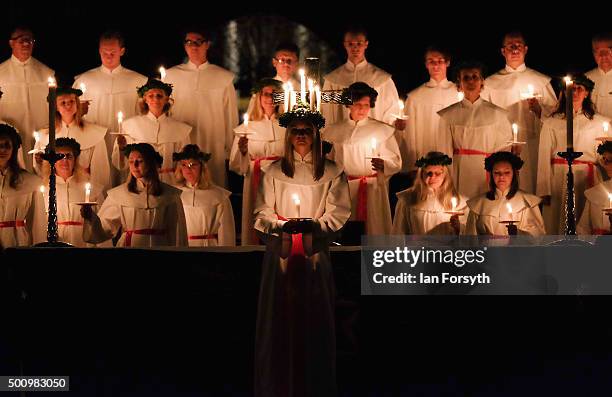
{"x":515,"y":47}
{"x":195,"y":43}
{"x":24,"y":40}
{"x":302,"y":131}
{"x":286,"y":61}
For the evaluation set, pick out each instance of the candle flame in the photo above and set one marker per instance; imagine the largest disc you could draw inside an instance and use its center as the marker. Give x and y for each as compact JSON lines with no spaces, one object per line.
{"x":568,"y":80}
{"x":88,"y":186}
{"x":83,"y":87}
{"x":162,"y":72}
{"x":42,"y":189}
{"x":36,"y":136}
{"x":246,"y":119}
{"x":51,"y":81}
{"x":296,"y":199}
{"x":460,"y":96}
{"x":302,"y":72}
{"x":401,"y":104}
{"x":509,"y":207}
{"x":454,"y":202}
{"x":515,"y":128}
{"x":120,"y":117}
{"x":606,"y":126}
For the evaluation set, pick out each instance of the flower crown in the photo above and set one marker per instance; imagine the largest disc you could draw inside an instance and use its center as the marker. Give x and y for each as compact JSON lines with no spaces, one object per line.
{"x":434,"y":160}
{"x":154,"y":84}
{"x":69,"y":143}
{"x":604,"y":147}
{"x":302,"y":112}
{"x":514,"y":160}
{"x":191,"y":152}
{"x":267,"y":82}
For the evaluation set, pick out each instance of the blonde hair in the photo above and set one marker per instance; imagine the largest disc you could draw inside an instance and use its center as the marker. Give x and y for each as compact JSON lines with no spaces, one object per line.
{"x":204,"y":181}
{"x":144,"y":108}
{"x":78,"y":116}
{"x":257,"y":113}
{"x":418,"y":194}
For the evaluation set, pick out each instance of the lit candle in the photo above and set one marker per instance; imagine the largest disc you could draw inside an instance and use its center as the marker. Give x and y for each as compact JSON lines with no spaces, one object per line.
{"x":374,"y":144}
{"x":311,"y":94}
{"x":460,"y":96}
{"x":83,"y":88}
{"x":610,"y":199}
{"x":318,"y":89}
{"x":530,"y":90}
{"x":286,"y":96}
{"x":454,"y":203}
{"x":87,"y":191}
{"x":120,"y":120}
{"x":515,"y":132}
{"x":509,"y":208}
{"x":293,"y":99}
{"x":246,"y":120}
{"x":52,"y":109}
{"x":401,"y":108}
{"x":296,"y":201}
{"x":302,"y":86}
{"x":162,"y":73}
{"x":569,"y":112}
{"x":606,"y":127}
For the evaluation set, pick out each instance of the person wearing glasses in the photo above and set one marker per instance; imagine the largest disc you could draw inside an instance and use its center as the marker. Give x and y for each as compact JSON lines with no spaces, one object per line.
{"x":552,"y":169}
{"x":146,"y":211}
{"x":208,"y":210}
{"x":475,"y":128}
{"x":252,"y":152}
{"x":511,"y":88}
{"x":302,"y":202}
{"x":369,"y":154}
{"x":424,"y":208}
{"x":109,"y":88}
{"x":155,"y":127}
{"x":594,"y":220}
{"x":205,"y":98}
{"x":69,"y":123}
{"x":24,"y":81}
{"x":357,"y":68}
{"x":602,"y":74}
{"x":421,"y":131}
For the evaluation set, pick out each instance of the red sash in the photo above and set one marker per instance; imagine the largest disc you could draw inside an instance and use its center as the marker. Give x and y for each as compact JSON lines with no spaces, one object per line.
{"x":362,"y":196}
{"x":590,"y":171}
{"x":204,"y":237}
{"x":148,"y":232}
{"x":12,"y":224}
{"x":297,"y":245}
{"x":70,"y":223}
{"x":601,"y":232}
{"x":471,"y":152}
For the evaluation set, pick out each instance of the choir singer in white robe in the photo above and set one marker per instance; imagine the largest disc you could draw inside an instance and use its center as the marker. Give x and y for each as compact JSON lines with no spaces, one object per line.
{"x":424,"y":208}
{"x":504,"y":202}
{"x":599,"y":197}
{"x":205,"y":98}
{"x":208,"y":210}
{"x":517,"y":88}
{"x":264,"y":143}
{"x":148,"y":212}
{"x":302,"y":202}
{"x":602,"y":74}
{"x":369,"y":154}
{"x":25,"y":82}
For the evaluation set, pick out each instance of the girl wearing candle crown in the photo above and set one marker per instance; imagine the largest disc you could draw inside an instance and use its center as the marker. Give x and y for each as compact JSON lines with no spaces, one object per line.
{"x":71,"y":185}
{"x":594,"y":220}
{"x":504,"y":202}
{"x":155,"y":127}
{"x":552,"y":169}
{"x":264,"y":144}
{"x":424,"y":208}
{"x":295,"y":341}
{"x":208,"y":211}
{"x":69,"y":123}
{"x":148,"y":212}
{"x":22,"y":215}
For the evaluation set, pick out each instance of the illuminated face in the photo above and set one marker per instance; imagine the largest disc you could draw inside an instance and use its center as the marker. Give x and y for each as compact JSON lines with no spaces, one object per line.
{"x":156,"y":99}
{"x":111,"y":53}
{"x":266,"y":100}
{"x":602,"y":52}
{"x":436,"y":64}
{"x":514,"y":50}
{"x":301,"y":135}
{"x":285,"y":63}
{"x":360,"y":109}
{"x":433,"y":176}
{"x":67,"y":105}
{"x":471,"y":81}
{"x":502,"y":175}
{"x":191,"y":170}
{"x":65,"y":166}
{"x":22,"y":44}
{"x":137,"y":164}
{"x":6,"y":150}
{"x":580,"y":94}
{"x":355,"y":46}
{"x":196,"y":47}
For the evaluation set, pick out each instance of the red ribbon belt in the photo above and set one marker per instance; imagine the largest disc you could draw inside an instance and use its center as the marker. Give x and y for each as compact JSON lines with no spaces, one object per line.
{"x":257,"y":173}
{"x":147,"y":232}
{"x":70,"y":223}
{"x":12,"y":224}
{"x":204,"y":237}
{"x":297,"y":245}
{"x":362,"y":196}
{"x":601,"y":232}
{"x":471,"y":152}
{"x":590,"y":171}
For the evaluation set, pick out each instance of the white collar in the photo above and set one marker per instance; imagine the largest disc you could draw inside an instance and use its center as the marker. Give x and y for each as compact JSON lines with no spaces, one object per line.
{"x":351,"y":66}
{"x":61,"y":181}
{"x":466,"y":102}
{"x":298,"y":158}
{"x":433,"y":83}
{"x":193,"y":66}
{"x":159,"y":119}
{"x":521,"y":68}
{"x":604,"y":73}
{"x":116,"y":70}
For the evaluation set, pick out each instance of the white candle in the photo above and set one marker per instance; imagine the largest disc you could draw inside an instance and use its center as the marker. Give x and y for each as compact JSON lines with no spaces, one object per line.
{"x":120,"y":120}
{"x":302,"y":86}
{"x":509,"y":208}
{"x":401,"y":108}
{"x":515,"y":132}
{"x":454,"y":203}
{"x":460,"y":96}
{"x":162,"y":73}
{"x":610,"y":199}
{"x":36,"y":137}
{"x":311,"y":94}
{"x":87,"y":191}
{"x":374,"y":144}
{"x":83,"y":88}
{"x":246,"y":120}
{"x":286,"y":96}
{"x":292,"y":99}
{"x":42,"y":191}
{"x":318,"y":89}
{"x":296,"y":201}
{"x":606,"y":127}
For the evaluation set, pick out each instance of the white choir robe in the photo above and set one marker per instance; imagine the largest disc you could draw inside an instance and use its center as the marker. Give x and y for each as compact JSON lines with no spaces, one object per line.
{"x":602,"y":93}
{"x":25,"y":87}
{"x":422,"y":133}
{"x":277,"y":347}
{"x":209,"y":217}
{"x":386,"y":108}
{"x":552,"y":178}
{"x":594,"y":220}
{"x":352,"y":143}
{"x":69,"y":219}
{"x":294,"y":83}
{"x":145,"y":220}
{"x":426,"y":217}
{"x":477,"y":130}
{"x":94,"y":155}
{"x":205,"y":98}
{"x":504,"y":89}
{"x":265,"y":145}
{"x":22,"y":211}
{"x":110,"y":92}
{"x":485,"y":215}
{"x":165,"y":134}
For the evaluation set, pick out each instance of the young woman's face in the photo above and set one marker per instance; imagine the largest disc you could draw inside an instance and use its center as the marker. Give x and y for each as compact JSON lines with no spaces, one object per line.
{"x":156,"y":99}
{"x":433,"y":176}
{"x":6,"y":150}
{"x":65,"y":166}
{"x":580,"y":94}
{"x":266,"y":100}
{"x":191,"y":170}
{"x":301,"y":135}
{"x":502,"y":175}
{"x":138,"y":167}
{"x":67,"y":105}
